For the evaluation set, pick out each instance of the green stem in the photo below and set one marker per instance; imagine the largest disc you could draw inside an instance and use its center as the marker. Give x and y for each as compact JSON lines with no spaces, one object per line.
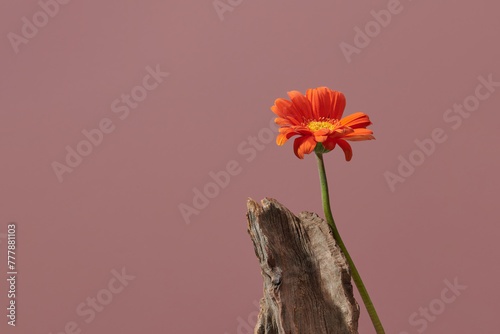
{"x":354,"y":272}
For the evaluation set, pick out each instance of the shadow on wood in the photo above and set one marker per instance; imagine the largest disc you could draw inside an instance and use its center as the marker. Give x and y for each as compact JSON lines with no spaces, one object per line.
{"x":307,"y":281}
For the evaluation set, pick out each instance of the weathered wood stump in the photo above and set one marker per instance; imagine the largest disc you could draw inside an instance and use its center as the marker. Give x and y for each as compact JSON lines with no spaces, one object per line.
{"x":307,"y":281}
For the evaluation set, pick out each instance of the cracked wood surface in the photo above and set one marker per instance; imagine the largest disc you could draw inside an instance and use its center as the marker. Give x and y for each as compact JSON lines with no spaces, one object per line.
{"x":307,"y":281}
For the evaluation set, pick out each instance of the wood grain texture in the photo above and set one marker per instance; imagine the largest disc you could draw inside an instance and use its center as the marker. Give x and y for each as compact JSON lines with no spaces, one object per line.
{"x":307,"y":281}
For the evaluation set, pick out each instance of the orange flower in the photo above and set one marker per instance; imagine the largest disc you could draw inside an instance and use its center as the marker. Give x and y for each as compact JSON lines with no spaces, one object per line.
{"x":317,"y":118}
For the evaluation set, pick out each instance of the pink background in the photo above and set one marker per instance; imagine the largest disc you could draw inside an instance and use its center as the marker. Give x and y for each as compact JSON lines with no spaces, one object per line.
{"x":120,"y":208}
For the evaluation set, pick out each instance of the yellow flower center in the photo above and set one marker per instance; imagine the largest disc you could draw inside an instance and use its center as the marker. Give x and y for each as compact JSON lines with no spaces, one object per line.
{"x":315,"y":125}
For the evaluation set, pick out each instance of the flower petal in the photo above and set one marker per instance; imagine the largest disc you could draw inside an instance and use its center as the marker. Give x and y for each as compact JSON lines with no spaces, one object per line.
{"x":299,"y":129}
{"x":346,"y":148}
{"x":283,"y":121}
{"x":302,"y":105}
{"x":339,"y":102}
{"x":342,"y":132}
{"x":303,"y":145}
{"x":286,"y":110}
{"x":287,"y":132}
{"x":282,"y":139}
{"x":321,"y":135}
{"x":359,"y":134}
{"x":330,"y":143}
{"x":326,"y":102}
{"x":320,"y":102}
{"x":356,"y":120}
{"x":278,"y":111}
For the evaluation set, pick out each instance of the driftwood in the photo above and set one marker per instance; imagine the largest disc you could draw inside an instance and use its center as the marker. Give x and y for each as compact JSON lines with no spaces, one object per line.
{"x":307,"y":281}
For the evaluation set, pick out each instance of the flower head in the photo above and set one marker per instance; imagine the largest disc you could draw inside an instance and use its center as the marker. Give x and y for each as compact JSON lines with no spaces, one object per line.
{"x":317,"y":118}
